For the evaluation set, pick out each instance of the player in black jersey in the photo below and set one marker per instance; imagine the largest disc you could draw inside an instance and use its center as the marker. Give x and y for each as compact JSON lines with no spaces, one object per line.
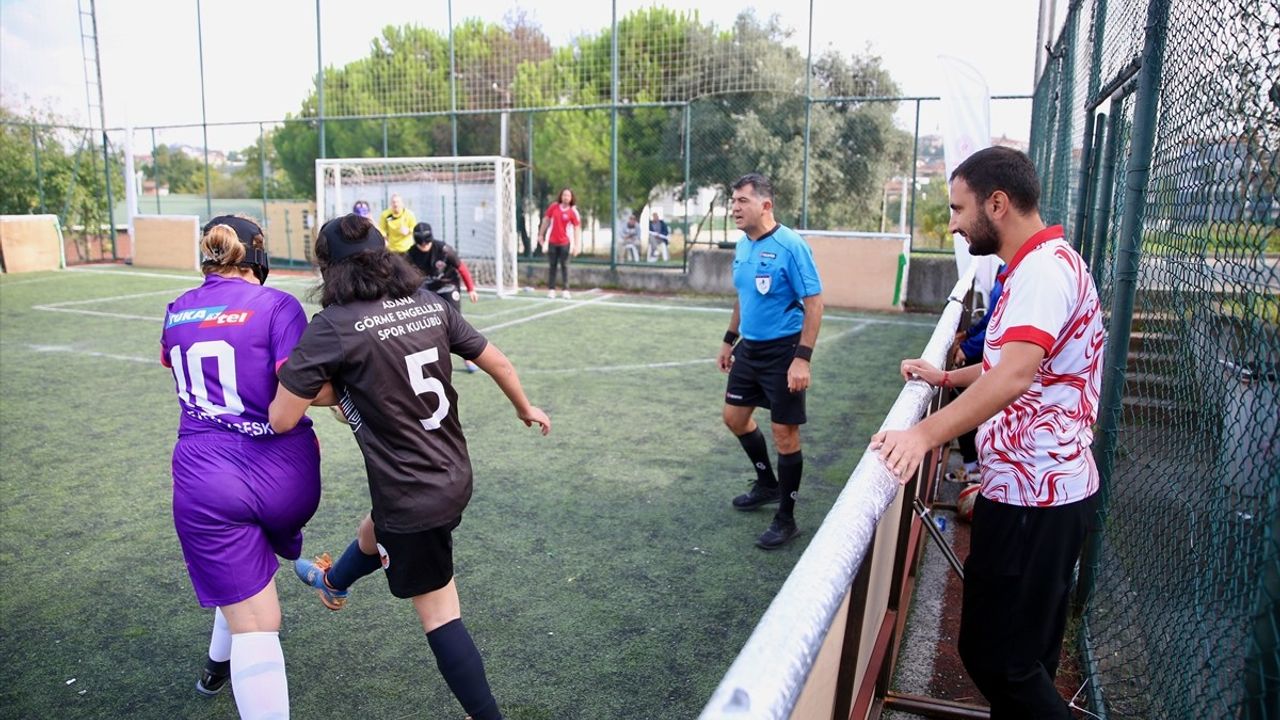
{"x":384,"y":345}
{"x":443,"y":270}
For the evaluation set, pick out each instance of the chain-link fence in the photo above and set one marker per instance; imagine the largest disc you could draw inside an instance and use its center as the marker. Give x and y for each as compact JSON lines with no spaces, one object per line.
{"x":1156,"y":130}
{"x":651,"y":115}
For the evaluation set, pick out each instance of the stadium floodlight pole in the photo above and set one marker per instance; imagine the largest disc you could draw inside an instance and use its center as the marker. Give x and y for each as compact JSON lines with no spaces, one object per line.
{"x":808,"y":114}
{"x":204,"y":118}
{"x":319,"y":81}
{"x":102,"y":116}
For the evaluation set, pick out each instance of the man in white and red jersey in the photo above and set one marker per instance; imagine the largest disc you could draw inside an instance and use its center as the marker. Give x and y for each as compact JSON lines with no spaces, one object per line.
{"x":1034,"y":399}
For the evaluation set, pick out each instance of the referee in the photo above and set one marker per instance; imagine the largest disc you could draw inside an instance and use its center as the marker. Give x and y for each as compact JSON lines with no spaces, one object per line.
{"x":767,"y":349}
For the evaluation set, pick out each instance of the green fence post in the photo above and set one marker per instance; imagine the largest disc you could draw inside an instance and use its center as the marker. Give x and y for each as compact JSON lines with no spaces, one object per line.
{"x":1106,"y":190}
{"x":688,"y":144}
{"x":1137,"y":173}
{"x":262,"y":172}
{"x":155,"y":170}
{"x":915,"y":151}
{"x":1083,"y":184}
{"x":320,"y":82}
{"x":808,"y":112}
{"x":35,"y":149}
{"x":613,"y":145}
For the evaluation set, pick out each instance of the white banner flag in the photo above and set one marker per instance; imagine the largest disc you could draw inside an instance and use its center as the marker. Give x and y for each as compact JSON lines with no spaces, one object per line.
{"x":966,"y":129}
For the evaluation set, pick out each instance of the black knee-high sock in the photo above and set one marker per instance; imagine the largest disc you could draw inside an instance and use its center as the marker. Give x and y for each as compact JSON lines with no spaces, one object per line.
{"x":753,"y":443}
{"x":790,"y":468}
{"x":352,"y":566}
{"x":463,"y":670}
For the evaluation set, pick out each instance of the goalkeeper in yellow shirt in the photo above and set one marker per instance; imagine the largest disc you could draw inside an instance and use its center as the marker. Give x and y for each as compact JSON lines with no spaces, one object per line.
{"x":396,"y":224}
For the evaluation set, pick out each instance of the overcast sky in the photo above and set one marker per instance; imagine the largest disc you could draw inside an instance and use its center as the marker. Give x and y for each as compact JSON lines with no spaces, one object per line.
{"x":260,"y":55}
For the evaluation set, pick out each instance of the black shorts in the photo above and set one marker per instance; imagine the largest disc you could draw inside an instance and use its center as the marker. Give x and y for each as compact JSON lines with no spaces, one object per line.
{"x":417,"y":562}
{"x":447,"y":292}
{"x":758,"y":378}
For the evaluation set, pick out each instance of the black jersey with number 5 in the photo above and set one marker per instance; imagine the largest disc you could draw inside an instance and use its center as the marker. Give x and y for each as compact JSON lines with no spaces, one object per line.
{"x":389,"y":362}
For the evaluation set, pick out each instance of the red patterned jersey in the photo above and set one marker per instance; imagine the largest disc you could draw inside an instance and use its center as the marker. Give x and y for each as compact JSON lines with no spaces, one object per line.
{"x":1035,"y":452}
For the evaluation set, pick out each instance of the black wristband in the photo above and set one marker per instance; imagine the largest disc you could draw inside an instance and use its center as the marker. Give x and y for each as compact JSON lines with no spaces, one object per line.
{"x":804,"y":352}
{"x":730,"y":337}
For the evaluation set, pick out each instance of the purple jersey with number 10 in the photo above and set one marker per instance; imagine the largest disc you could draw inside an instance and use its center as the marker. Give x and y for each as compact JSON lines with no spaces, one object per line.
{"x":224,"y":341}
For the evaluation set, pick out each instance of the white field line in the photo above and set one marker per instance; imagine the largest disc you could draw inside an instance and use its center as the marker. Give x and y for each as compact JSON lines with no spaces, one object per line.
{"x":499,"y":313}
{"x":672,"y":364}
{"x":29,"y":281}
{"x":90,"y":301}
{"x":195,"y":277}
{"x":91,"y":353}
{"x":98,"y":313}
{"x":564,"y":308}
{"x":726,"y":311}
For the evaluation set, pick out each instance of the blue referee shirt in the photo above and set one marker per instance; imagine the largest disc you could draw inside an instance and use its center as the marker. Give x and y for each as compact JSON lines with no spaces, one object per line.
{"x":772,"y":276}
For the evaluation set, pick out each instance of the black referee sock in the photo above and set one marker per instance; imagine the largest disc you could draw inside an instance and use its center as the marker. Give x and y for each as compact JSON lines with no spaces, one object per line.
{"x":463,"y":670}
{"x":790,"y":468}
{"x":753,"y":443}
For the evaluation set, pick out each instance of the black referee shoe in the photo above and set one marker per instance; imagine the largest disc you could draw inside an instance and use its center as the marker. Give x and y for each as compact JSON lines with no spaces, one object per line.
{"x":780,"y":533}
{"x":758,"y":496}
{"x":213,"y":677}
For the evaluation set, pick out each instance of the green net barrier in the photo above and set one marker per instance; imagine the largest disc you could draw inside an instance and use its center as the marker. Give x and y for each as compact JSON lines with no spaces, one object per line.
{"x":1184,"y":615}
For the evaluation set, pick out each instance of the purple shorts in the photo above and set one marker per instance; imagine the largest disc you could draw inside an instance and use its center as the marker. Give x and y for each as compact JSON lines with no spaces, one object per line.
{"x":237,"y":503}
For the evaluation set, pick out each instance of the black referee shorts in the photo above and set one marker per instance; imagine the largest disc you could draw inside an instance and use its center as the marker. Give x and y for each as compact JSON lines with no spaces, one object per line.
{"x":418,"y":562}
{"x":758,"y":378}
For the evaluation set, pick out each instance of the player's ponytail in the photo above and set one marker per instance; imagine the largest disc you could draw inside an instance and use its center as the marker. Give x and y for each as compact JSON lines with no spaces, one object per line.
{"x":222,"y":250}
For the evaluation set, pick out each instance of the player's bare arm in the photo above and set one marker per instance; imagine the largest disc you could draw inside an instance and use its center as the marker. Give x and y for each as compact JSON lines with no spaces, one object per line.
{"x":494,"y":362}
{"x":287,"y":409}
{"x":903,"y":450}
{"x":725,"y":358}
{"x":326,"y":396}
{"x":917,"y":368}
{"x":798,"y":374}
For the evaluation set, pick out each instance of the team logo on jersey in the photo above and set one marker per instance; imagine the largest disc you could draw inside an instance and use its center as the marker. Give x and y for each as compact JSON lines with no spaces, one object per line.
{"x":763,"y":283}
{"x":769,"y":255}
{"x":228,"y":317}
{"x":217,"y":316}
{"x":193,"y":315}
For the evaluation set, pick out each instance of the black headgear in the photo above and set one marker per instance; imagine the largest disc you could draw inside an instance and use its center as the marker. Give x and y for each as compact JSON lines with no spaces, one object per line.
{"x":422,"y":233}
{"x":246,"y":230}
{"x":340,"y":248}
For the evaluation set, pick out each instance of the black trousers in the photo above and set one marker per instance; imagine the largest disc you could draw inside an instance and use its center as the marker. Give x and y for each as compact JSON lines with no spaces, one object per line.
{"x":558,"y":254}
{"x":1017,"y":581}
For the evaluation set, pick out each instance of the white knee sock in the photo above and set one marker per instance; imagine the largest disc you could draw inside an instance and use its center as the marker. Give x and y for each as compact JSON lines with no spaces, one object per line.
{"x":257,"y":676}
{"x":220,"y":638}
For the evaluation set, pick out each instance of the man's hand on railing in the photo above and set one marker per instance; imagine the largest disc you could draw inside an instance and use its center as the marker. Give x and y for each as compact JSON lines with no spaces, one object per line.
{"x":902,"y":451}
{"x":917,"y":369}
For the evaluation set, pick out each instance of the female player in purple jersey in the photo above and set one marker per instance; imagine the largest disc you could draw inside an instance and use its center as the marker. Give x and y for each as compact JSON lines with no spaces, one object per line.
{"x":386,"y":346}
{"x":241,"y":492}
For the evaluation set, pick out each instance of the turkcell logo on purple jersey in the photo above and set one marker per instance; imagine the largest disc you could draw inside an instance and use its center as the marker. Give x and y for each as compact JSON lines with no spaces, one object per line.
{"x":217,"y":316}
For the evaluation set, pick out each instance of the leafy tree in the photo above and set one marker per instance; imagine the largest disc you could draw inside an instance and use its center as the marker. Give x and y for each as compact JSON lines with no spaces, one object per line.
{"x":70,"y":182}
{"x":933,"y":212}
{"x":175,"y":168}
{"x":748,"y":113}
{"x":279,"y":184}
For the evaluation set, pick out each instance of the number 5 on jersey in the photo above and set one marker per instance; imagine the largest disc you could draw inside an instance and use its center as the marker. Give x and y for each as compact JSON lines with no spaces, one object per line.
{"x":421,"y":382}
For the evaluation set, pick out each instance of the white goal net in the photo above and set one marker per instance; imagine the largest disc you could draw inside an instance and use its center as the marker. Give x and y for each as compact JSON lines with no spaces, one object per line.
{"x":470,"y":203}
